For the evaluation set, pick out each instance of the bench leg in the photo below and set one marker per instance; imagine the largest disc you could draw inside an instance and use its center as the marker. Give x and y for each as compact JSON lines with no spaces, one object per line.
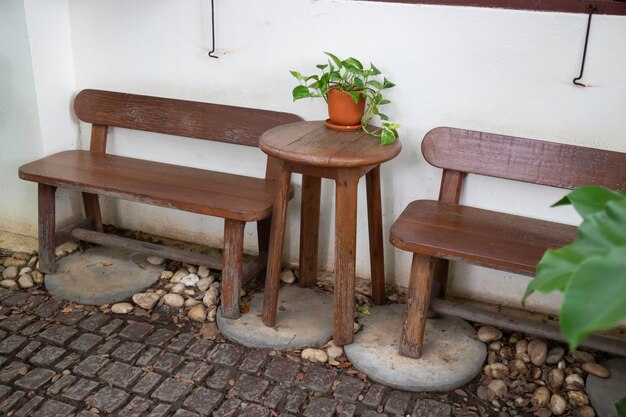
{"x":375,"y":223}
{"x":92,"y":209}
{"x":47,"y":241}
{"x":309,"y":230}
{"x":418,"y":300}
{"x":232,"y":268}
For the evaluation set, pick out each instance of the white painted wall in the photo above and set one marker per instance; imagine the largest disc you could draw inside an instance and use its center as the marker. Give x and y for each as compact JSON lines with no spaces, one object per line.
{"x":495,"y":70}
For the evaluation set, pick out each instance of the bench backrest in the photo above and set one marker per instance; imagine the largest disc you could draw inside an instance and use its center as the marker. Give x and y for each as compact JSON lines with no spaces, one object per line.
{"x":460,"y":151}
{"x":215,"y":122}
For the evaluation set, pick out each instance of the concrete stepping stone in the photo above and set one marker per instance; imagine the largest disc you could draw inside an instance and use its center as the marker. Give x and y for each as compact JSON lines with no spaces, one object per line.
{"x":604,"y":393}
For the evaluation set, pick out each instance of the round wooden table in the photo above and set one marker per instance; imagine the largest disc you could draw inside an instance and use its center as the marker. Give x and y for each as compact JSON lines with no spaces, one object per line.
{"x":316,"y":152}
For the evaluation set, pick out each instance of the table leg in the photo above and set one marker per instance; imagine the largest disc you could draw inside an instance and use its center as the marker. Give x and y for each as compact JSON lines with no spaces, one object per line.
{"x":277,"y":238}
{"x":309,"y":230}
{"x":375,"y":224}
{"x":345,"y":256}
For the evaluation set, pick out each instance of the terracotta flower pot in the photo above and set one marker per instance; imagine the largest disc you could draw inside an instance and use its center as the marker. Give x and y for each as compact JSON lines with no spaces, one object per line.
{"x":342,"y":109}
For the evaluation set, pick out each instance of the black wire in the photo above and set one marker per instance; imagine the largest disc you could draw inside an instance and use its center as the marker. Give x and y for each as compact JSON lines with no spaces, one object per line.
{"x":592,"y":9}
{"x":212,"y":51}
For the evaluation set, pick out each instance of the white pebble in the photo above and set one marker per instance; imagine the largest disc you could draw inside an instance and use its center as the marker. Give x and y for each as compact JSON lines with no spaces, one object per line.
{"x":155,"y":260}
{"x":166,"y":275}
{"x":179,"y":276}
{"x":190,"y":280}
{"x":287,"y":276}
{"x":178,"y":288}
{"x":203,"y":271}
{"x":174,"y":300}
{"x":203,"y":284}
{"x":333,"y":350}
{"x":26,"y":281}
{"x":314,"y":355}
{"x":8,"y":283}
{"x":197,"y":313}
{"x":192,"y":269}
{"x":122,"y":308}
{"x":147,"y":301}
{"x":10,"y":273}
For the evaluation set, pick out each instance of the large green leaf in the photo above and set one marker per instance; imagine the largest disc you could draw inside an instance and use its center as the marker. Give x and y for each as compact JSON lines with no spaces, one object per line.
{"x":336,"y":60}
{"x":621,"y":407}
{"x":300,"y":91}
{"x":590,"y":199}
{"x":595,"y":298}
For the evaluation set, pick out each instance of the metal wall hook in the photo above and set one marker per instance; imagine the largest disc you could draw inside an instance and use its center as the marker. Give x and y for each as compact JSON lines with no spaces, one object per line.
{"x":212,"y":51}
{"x":576,"y":81}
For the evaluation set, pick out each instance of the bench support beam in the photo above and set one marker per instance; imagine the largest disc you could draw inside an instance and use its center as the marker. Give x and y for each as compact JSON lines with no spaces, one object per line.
{"x":46,"y":229}
{"x":232,"y":270}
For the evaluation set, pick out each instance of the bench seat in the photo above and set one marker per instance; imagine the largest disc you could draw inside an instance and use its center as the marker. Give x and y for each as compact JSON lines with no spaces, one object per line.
{"x":482,"y":237}
{"x":196,"y":190}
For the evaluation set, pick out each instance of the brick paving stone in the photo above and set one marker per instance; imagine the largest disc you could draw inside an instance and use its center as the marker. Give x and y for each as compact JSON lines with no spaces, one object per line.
{"x":227,"y":354}
{"x":253,"y":361}
{"x":295,"y":400}
{"x":135,"y":408}
{"x":199,"y":349}
{"x":108,"y":346}
{"x":4,"y":391}
{"x":4,"y":293}
{"x":220,"y":378}
{"x":249,"y":388}
{"x":274,"y":397}
{"x":108,"y":399}
{"x":374,"y":395}
{"x":120,"y":375}
{"x":28,"y":350}
{"x":12,"y":344}
{"x":36,"y":300}
{"x":282,"y":369}
{"x":49,"y":308}
{"x":147,"y":356}
{"x":321,"y":407}
{"x":370,"y":413}
{"x":136,"y":331}
{"x":286,"y":415}
{"x":431,"y":408}
{"x":67,"y":362}
{"x":90,"y":366}
{"x":254,"y":410}
{"x":93,"y":322}
{"x":228,"y":408}
{"x":71,"y":318}
{"x":319,"y":379}
{"x":2,"y":360}
{"x":15,"y":322}
{"x":35,"y":328}
{"x":195,"y":371}
{"x":47,"y":356}
{"x":61,"y":384}
{"x":3,"y":334}
{"x":160,"y":337}
{"x":349,"y":388}
{"x":111,"y":327}
{"x":8,"y":403}
{"x":171,"y":390}
{"x":127,"y":351}
{"x":85,"y":342}
{"x":203,"y":400}
{"x":346,"y":410}
{"x":35,"y":379}
{"x":29,"y":408}
{"x":58,"y":334}
{"x":12,"y":371}
{"x":86,"y":413}
{"x":181,"y":412}
{"x":54,"y":408}
{"x":397,"y":402}
{"x":180,"y":343}
{"x":80,"y":390}
{"x":147,"y":383}
{"x":168,"y":363}
{"x":17,"y":298}
{"x":160,"y":410}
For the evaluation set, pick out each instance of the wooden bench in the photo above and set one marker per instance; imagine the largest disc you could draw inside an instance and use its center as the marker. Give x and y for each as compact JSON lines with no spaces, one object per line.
{"x":235,"y":198}
{"x":443,"y":230}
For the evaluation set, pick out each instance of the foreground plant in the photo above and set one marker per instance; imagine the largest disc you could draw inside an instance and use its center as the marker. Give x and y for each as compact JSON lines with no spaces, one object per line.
{"x":351,"y":77}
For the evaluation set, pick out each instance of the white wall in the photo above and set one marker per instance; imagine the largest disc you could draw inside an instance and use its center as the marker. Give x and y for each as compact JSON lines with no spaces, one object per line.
{"x":495,"y":70}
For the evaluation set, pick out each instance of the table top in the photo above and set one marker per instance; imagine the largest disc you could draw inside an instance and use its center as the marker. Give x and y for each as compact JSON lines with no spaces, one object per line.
{"x":312,"y":143}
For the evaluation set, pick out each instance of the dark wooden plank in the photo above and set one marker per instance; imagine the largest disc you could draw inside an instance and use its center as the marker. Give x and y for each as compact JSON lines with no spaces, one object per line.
{"x":528,"y":160}
{"x":418,"y":299}
{"x":190,"y":189}
{"x":90,"y":201}
{"x":192,"y":119}
{"x":104,"y":239}
{"x":232,"y":270}
{"x":483,"y":237}
{"x":375,"y":234}
{"x":46,"y":228}
{"x":309,"y":230}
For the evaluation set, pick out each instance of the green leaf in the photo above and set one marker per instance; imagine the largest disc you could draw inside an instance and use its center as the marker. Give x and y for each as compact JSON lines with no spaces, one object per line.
{"x":621,"y":407}
{"x":590,"y":199}
{"x":363,"y":310}
{"x":336,"y":60}
{"x":582,"y":314}
{"x":382,"y":102}
{"x":300,"y":91}
{"x":376,"y":84}
{"x":353,"y":62}
{"x":297,"y":75}
{"x":322,"y":66}
{"x":359,"y":84}
{"x":387,"y":83}
{"x":355,"y":96}
{"x":387,"y":137}
{"x":375,"y":71}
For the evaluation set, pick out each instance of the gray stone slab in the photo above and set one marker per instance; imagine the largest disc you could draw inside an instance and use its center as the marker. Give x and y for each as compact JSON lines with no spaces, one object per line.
{"x":451,"y":357}
{"x":102,"y":275}
{"x":304,"y":319}
{"x":604,"y":393}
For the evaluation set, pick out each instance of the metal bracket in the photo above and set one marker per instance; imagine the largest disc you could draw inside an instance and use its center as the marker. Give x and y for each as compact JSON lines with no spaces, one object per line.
{"x":576,"y":81}
{"x":212,"y":51}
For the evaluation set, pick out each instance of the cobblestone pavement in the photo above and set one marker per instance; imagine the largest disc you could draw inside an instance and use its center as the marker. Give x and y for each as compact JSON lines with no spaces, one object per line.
{"x":57,"y":361}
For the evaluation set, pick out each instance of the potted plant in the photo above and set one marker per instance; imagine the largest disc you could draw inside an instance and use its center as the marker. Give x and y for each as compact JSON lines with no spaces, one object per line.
{"x":353,"y":93}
